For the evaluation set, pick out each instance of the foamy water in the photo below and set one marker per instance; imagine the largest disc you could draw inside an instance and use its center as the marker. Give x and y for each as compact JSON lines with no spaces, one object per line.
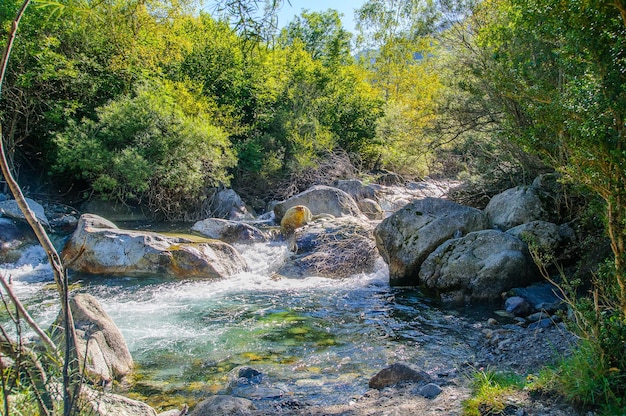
{"x":315,"y":339}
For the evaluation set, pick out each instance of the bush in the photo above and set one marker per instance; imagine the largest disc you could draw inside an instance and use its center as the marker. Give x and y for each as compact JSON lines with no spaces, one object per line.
{"x":595,"y":374}
{"x":157,"y":146}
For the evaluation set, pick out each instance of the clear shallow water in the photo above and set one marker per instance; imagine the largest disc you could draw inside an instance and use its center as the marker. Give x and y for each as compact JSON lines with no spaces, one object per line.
{"x":315,"y":340}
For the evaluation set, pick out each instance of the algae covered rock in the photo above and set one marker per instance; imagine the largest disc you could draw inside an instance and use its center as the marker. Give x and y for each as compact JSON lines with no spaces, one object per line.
{"x":99,"y":247}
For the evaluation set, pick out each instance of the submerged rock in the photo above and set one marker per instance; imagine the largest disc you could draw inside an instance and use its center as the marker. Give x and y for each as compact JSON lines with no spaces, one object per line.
{"x":398,"y":373}
{"x":99,"y":247}
{"x":223,"y":405}
{"x":407,"y":237}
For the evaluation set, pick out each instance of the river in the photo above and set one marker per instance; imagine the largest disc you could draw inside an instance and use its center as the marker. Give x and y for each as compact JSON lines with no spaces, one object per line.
{"x":314,"y":340}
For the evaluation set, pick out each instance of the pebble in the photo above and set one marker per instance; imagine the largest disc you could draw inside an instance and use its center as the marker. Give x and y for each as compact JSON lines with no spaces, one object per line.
{"x":541,"y":324}
{"x":430,"y":391}
{"x":537,"y":316}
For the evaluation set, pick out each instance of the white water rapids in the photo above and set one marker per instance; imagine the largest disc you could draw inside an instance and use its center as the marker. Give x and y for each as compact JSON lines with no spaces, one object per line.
{"x":316,"y":340}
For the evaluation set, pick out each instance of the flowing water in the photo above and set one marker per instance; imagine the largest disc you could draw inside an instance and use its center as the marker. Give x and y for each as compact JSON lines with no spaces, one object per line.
{"x":314,"y":340}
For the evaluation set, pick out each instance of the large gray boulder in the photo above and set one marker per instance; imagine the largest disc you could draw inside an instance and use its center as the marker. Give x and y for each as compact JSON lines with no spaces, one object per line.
{"x":229,"y":231}
{"x":545,"y":235}
{"x":480,"y":266}
{"x":321,"y":199}
{"x":332,"y":247}
{"x":408,"y":236}
{"x":9,"y":208}
{"x":107,"y":404}
{"x":100,"y":344}
{"x":515,"y":206}
{"x":99,"y":247}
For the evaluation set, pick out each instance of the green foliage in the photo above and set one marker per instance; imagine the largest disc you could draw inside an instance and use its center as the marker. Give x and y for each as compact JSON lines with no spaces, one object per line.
{"x":153,"y":145}
{"x":588,"y":379}
{"x":400,"y":64}
{"x":307,"y":111}
{"x":322,"y":35}
{"x":490,"y":391}
{"x":595,"y":373}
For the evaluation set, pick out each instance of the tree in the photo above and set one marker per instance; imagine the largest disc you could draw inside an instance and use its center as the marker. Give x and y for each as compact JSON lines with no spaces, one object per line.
{"x":66,"y":68}
{"x":399,"y":60}
{"x":558,"y":73}
{"x":254,"y":20}
{"x":322,"y":34}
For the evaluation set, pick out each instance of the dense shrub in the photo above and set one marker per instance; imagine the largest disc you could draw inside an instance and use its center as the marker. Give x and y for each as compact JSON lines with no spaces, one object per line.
{"x":157,"y":145}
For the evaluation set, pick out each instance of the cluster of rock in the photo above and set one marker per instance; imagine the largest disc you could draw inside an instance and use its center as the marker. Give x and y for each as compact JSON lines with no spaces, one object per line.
{"x":456,"y":252}
{"x":462,"y":254}
{"x":247,"y":384}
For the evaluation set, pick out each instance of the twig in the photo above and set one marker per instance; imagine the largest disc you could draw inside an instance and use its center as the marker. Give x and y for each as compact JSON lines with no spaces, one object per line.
{"x":29,"y":320}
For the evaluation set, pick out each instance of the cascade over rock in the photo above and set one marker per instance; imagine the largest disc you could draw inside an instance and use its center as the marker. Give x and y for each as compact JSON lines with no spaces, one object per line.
{"x":99,"y":247}
{"x":14,"y":236}
{"x":408,"y":236}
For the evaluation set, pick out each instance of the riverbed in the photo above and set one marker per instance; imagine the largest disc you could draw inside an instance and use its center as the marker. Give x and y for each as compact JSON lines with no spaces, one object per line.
{"x":312,"y":340}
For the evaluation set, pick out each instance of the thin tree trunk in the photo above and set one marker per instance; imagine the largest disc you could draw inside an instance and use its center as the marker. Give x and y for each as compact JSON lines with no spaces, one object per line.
{"x":70,"y":367}
{"x":616,"y":217}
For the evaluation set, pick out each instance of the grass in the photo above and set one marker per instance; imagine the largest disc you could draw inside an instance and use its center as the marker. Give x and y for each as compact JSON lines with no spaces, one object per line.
{"x":491,"y":391}
{"x":586,"y":379}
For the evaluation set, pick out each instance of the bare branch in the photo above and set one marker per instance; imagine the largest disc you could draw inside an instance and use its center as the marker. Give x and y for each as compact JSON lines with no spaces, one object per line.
{"x":31,"y":322}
